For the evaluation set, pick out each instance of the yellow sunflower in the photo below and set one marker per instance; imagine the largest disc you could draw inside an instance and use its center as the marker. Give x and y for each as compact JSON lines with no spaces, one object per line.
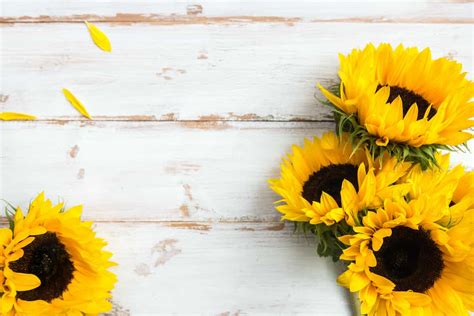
{"x":404,"y":262}
{"x":326,"y":181}
{"x":403,"y":100}
{"x":456,"y":184}
{"x":54,"y":264}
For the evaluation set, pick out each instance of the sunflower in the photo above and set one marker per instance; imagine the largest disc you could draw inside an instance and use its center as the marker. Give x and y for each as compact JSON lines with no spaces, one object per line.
{"x":53,"y":263}
{"x":326,"y":181}
{"x":404,"y":262}
{"x":402,"y":101}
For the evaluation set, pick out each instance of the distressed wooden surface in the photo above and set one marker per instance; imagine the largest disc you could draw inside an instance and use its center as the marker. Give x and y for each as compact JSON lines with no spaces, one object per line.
{"x":152,"y":171}
{"x":214,"y":269}
{"x":193,"y":111}
{"x":147,"y":171}
{"x":237,"y":11}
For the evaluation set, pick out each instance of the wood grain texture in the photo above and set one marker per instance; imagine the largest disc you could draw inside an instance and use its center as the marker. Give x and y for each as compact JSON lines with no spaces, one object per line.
{"x":195,"y":72}
{"x":224,"y":269}
{"x":231,"y":12}
{"x":148,"y":171}
{"x":205,"y":171}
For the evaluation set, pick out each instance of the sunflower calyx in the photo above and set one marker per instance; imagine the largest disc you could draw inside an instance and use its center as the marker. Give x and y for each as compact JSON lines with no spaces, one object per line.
{"x":380,"y":146}
{"x":326,"y":237}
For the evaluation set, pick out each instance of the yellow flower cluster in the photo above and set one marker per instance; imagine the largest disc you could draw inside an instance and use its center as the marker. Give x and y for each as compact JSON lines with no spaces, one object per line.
{"x":379,"y":196}
{"x":51,"y":263}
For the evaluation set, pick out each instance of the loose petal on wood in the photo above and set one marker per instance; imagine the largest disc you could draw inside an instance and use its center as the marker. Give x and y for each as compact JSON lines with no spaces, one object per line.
{"x":76,"y":103}
{"x":12,"y":116}
{"x":99,"y":37}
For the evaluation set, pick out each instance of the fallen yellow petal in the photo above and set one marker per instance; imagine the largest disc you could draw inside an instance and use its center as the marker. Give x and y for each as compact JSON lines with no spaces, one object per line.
{"x":99,"y":38}
{"x":76,"y":103}
{"x":12,"y":116}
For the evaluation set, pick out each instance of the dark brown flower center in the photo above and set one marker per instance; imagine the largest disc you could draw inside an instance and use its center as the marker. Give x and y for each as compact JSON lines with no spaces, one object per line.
{"x":329,"y":179}
{"x":47,"y":258}
{"x":410,"y":259}
{"x":408,"y":98}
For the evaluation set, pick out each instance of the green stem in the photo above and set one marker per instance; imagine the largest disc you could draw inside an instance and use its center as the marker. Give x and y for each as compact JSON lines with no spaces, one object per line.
{"x":355,"y":303}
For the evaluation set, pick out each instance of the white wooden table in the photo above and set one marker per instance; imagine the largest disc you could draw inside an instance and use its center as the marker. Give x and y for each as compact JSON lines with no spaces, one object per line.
{"x":192,"y":112}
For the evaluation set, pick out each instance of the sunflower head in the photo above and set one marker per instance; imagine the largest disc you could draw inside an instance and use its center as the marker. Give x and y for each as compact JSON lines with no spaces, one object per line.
{"x":389,"y":100}
{"x":312,"y":177}
{"x":404,"y":261}
{"x":53,"y":263}
{"x":327,"y":182}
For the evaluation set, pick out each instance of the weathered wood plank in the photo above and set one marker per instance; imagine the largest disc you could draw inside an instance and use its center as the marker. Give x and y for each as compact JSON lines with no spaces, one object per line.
{"x":148,"y":171}
{"x":221,"y":269}
{"x":219,"y":12}
{"x":195,"y":72}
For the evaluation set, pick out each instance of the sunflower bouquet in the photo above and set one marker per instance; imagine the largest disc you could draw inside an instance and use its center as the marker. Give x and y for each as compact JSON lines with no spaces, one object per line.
{"x":379,"y":195}
{"x":52,"y":263}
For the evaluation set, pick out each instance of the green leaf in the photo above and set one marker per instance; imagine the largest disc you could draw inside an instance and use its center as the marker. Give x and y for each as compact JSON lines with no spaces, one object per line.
{"x":10,"y":213}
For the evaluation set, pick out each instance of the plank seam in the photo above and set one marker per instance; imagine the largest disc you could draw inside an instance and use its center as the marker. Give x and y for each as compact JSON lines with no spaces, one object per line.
{"x":122,"y":18}
{"x":64,"y":122}
{"x":4,"y":221}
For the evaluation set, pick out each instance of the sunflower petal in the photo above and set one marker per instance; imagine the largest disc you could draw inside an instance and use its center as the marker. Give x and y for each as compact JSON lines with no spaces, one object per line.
{"x":99,"y":37}
{"x":76,"y":103}
{"x":24,"y":281}
{"x":12,"y":116}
